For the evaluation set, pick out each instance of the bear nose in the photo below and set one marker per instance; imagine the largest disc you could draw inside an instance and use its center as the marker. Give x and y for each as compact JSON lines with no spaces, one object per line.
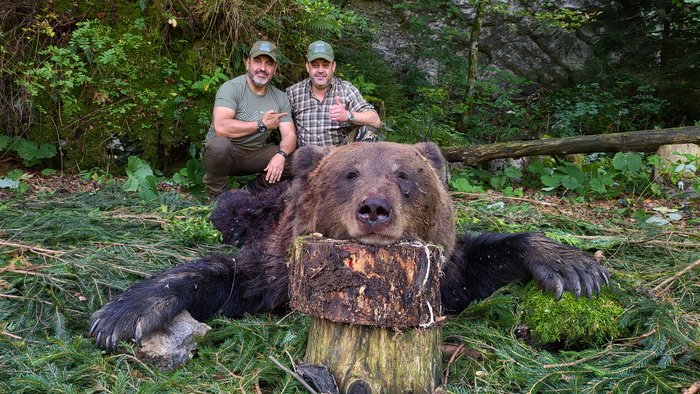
{"x":374,"y":210}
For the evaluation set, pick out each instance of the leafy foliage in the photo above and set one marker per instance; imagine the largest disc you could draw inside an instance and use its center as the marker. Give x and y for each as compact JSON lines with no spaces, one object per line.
{"x":598,"y":175}
{"x":591,"y":109}
{"x":141,"y":179}
{"x":29,"y":151}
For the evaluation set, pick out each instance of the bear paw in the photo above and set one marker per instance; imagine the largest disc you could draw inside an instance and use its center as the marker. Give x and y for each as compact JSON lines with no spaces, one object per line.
{"x":558,"y":268}
{"x":129,"y":317}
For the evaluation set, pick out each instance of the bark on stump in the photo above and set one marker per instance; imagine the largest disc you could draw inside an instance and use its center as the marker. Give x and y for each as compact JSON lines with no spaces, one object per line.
{"x":375,"y":313}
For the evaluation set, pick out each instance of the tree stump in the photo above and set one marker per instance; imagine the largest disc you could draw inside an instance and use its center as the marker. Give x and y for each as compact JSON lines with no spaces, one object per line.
{"x":375,"y":312}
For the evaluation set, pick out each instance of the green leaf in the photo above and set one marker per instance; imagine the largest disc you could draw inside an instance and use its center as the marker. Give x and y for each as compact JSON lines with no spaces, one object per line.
{"x":536,"y":167}
{"x":620,"y":161}
{"x":15,"y":174}
{"x":597,"y":186}
{"x":46,"y":151}
{"x":570,"y":182}
{"x":498,"y":182}
{"x":513,"y":172}
{"x":48,"y":171}
{"x":4,"y":141}
{"x":552,"y":181}
{"x":640,"y":215}
{"x":131,"y":184}
{"x":148,"y":194}
{"x":461,"y":185}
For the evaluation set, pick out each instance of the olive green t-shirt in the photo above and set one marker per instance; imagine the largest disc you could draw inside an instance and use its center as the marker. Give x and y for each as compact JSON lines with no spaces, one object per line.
{"x":250,"y":107}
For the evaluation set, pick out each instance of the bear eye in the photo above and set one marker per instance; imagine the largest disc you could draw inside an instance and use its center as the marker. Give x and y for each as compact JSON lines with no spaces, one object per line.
{"x":402,"y":175}
{"x":351,"y":175}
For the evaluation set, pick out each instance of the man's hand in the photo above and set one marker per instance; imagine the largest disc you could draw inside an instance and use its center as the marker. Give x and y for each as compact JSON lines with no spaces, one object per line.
{"x":274,"y":168}
{"x":272,"y":119}
{"x":338,"y":112}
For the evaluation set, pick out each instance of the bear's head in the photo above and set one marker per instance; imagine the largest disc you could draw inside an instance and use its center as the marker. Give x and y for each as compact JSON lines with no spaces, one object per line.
{"x":375,"y":193}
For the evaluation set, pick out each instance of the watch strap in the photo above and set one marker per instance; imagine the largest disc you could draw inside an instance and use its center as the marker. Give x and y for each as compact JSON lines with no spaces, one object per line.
{"x":283,"y":153}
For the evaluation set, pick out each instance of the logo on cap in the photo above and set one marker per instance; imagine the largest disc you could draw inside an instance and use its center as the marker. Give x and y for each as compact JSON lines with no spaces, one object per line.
{"x":320,"y":50}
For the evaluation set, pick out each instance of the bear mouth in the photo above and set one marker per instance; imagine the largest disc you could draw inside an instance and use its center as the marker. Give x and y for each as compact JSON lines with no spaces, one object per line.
{"x":377,"y":234}
{"x":376,"y":239}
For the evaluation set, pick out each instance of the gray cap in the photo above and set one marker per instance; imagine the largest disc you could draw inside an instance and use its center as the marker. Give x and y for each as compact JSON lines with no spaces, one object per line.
{"x":264,"y":48}
{"x":320,"y":50}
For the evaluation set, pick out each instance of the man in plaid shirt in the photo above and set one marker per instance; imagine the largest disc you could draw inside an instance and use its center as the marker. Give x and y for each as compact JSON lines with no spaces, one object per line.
{"x":328,"y":111}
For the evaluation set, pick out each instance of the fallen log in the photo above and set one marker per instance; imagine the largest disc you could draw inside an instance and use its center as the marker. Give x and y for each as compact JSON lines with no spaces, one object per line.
{"x":633,"y":141}
{"x":375,"y":313}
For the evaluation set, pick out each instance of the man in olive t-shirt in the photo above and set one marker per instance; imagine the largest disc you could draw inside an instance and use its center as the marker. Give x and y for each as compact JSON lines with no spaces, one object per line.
{"x":246,"y":110}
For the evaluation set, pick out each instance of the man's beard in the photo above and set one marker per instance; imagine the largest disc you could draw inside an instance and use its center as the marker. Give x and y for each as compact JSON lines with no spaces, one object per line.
{"x":259,"y":80}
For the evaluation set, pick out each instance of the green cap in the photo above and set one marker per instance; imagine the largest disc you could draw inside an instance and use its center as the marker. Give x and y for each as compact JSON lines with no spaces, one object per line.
{"x":320,"y":50}
{"x":264,"y":48}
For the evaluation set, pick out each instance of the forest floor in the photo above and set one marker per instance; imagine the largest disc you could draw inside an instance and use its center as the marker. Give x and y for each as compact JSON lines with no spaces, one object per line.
{"x":70,"y":243}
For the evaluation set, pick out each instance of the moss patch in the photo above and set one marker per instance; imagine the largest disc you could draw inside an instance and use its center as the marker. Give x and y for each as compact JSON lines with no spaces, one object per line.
{"x":573,"y":322}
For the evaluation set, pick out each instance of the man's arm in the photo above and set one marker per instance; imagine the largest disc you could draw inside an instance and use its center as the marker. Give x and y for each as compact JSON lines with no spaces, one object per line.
{"x":288,"y":132}
{"x":287,"y":145}
{"x":226,"y":126}
{"x":367,"y":117}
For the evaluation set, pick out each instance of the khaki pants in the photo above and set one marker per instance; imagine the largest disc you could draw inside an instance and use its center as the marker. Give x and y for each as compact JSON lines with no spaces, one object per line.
{"x":222,"y":158}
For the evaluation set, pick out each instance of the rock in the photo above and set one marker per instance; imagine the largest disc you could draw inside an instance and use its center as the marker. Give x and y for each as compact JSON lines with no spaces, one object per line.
{"x":657,"y":220}
{"x":173,"y":346}
{"x":675,"y":216}
{"x":666,"y":152}
{"x":550,"y":57}
{"x":501,"y":164}
{"x":496,"y":205}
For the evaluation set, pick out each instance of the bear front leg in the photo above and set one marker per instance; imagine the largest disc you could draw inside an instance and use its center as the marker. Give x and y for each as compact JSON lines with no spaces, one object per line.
{"x":483,"y":263}
{"x":204,"y":288}
{"x":244,"y":218}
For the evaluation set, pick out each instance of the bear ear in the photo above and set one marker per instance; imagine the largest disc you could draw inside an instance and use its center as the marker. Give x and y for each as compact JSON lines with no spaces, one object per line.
{"x":432,"y":152}
{"x":307,"y":158}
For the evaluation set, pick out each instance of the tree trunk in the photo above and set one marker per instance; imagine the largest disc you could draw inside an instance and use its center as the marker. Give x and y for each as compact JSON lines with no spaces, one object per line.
{"x":473,"y":61}
{"x":474,"y":38}
{"x":633,"y":141}
{"x":666,"y":37}
{"x":376,"y":312}
{"x":365,"y":359}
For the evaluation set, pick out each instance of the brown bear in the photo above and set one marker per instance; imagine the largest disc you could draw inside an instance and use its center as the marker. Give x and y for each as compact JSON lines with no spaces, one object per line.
{"x":372,"y":193}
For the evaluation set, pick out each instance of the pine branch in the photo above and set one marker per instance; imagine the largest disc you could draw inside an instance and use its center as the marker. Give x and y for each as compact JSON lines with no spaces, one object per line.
{"x":672,"y":279}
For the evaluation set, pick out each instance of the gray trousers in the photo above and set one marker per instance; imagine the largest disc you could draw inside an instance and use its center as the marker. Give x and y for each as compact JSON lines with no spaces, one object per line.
{"x":222,"y":158}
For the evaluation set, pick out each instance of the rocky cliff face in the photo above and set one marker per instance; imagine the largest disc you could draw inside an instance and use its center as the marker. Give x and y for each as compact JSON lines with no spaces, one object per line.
{"x":550,"y":57}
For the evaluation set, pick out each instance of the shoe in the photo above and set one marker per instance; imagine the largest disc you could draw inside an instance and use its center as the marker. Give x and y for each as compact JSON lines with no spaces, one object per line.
{"x":214,"y":195}
{"x":248,"y":188}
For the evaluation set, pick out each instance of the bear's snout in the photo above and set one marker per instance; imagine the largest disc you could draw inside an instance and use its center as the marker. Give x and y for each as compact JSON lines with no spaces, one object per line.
{"x":374,"y":210}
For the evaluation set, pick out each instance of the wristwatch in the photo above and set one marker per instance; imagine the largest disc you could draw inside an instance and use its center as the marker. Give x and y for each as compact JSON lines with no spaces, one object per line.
{"x":351,"y":117}
{"x":283,"y":153}
{"x":261,"y":127}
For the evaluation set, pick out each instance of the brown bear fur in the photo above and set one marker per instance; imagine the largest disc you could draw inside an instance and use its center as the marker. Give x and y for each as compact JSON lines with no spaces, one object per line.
{"x":403,"y":175}
{"x":373,"y":193}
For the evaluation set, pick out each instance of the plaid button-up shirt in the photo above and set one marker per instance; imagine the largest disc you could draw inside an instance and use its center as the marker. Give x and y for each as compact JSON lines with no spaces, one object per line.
{"x":311,"y":117}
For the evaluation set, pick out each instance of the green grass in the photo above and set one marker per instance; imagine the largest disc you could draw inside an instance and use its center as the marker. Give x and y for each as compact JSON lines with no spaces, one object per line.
{"x":63,"y":256}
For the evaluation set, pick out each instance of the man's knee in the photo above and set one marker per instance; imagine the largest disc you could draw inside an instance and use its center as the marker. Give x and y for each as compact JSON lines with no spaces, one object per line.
{"x":218,"y":147}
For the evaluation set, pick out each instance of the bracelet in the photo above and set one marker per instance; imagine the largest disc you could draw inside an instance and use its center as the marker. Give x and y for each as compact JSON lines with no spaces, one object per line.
{"x":283,"y":153}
